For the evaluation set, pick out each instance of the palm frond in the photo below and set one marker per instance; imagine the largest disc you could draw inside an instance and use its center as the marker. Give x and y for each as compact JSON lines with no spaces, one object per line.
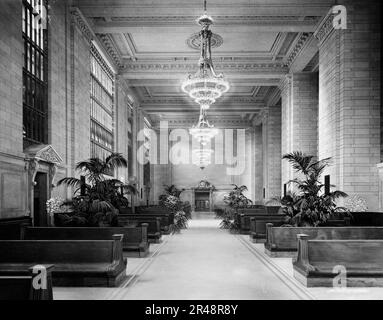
{"x":114,"y":161}
{"x":70,"y":182}
{"x":299,"y":161}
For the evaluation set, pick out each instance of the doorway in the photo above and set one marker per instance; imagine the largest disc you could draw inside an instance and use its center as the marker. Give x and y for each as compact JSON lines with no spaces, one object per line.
{"x":202,"y":201}
{"x":40,"y":197}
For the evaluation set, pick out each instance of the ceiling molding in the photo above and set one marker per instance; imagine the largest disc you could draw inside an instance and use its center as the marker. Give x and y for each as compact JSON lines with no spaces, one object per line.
{"x":273,"y":96}
{"x":86,"y":29}
{"x":111,"y":48}
{"x":324,"y":27}
{"x":230,"y":66}
{"x":300,"y":43}
{"x":81,"y":22}
{"x":194,"y":41}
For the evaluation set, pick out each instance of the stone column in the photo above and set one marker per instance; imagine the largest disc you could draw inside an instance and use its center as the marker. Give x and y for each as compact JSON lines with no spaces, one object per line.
{"x":271,"y":145}
{"x":349,"y":99}
{"x":258,"y":164}
{"x":299,"y":93}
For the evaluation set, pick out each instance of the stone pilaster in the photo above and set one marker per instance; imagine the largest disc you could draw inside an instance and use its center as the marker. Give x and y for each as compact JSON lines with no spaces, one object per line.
{"x":349,"y":99}
{"x":271,"y":145}
{"x":299,"y":92}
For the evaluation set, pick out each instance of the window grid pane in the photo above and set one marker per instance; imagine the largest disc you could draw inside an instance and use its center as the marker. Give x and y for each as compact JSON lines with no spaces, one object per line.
{"x":102,"y":107}
{"x":35,"y":101}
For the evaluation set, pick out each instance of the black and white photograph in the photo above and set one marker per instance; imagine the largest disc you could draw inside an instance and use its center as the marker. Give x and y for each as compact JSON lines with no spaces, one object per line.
{"x":188,"y":155}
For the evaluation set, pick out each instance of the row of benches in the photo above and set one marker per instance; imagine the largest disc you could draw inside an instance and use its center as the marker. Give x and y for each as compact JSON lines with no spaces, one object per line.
{"x":254,"y":223}
{"x":345,"y":251}
{"x":323,"y":254}
{"x":77,"y":256}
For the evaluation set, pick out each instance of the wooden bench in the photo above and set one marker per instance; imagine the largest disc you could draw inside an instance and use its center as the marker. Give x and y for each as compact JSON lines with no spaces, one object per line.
{"x":154,"y":225}
{"x":167,"y":219}
{"x":244,"y":218}
{"x":89,"y":263}
{"x":258,"y":226}
{"x":282,"y":241}
{"x":134,"y":243}
{"x":339,"y":263}
{"x":10,"y":229}
{"x":22,"y":286}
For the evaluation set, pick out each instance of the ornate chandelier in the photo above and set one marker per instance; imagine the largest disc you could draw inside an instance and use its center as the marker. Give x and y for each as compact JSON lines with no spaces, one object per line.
{"x":203,"y":131}
{"x":205,"y":86}
{"x":202,"y":157}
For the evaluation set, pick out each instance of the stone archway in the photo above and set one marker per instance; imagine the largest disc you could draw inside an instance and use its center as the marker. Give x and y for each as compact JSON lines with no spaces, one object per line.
{"x":41,"y":164}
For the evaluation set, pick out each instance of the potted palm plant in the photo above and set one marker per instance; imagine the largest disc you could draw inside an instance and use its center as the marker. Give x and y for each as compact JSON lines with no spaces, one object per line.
{"x":306,"y":209}
{"x":98,"y":203}
{"x":235,"y":200}
{"x":171,"y":200}
{"x":309,"y":205}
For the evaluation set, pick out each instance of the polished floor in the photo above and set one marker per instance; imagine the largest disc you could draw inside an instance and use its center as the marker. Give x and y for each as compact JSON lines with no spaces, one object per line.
{"x":204,"y":262}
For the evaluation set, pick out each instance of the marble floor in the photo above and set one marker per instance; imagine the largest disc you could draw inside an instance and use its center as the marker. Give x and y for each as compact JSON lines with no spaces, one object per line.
{"x":204,"y":262}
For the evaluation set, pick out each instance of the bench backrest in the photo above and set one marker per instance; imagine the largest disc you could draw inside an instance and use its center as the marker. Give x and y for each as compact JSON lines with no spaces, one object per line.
{"x":166,"y":219}
{"x":253,"y":211}
{"x":354,"y":255}
{"x":258,"y":223}
{"x":10,"y":229}
{"x":156,"y":209}
{"x":154,"y":223}
{"x":21,"y":286}
{"x":272,"y":209}
{"x":131,"y":234}
{"x":286,"y":237}
{"x":61,"y":251}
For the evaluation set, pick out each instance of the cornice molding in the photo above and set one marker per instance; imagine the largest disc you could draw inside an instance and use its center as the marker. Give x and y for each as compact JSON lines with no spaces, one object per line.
{"x":273,"y":96}
{"x":111,"y":49}
{"x":324,"y":27}
{"x":101,"y":60}
{"x":261,"y":117}
{"x":191,"y":66}
{"x":219,"y":20}
{"x":302,"y":40}
{"x":183,"y":100}
{"x":218,"y":123}
{"x":80,"y":21}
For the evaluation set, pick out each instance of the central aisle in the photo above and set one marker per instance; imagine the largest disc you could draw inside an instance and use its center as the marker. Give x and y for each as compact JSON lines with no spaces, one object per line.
{"x":205,"y":262}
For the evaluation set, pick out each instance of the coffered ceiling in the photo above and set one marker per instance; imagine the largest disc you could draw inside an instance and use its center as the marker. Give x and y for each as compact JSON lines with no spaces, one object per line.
{"x":256,"y":43}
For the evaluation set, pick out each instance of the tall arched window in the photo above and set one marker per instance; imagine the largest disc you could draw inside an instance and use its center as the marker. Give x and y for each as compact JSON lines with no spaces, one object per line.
{"x":102,"y":107}
{"x":35,"y":82}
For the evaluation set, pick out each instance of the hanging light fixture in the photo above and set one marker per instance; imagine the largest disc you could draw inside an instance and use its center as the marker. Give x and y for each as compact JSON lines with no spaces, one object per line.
{"x":203,"y":131}
{"x":202,"y":157}
{"x":205,"y":86}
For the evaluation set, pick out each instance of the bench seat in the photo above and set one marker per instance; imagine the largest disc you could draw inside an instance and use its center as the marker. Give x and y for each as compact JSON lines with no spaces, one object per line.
{"x":258,"y":226}
{"x":154,"y":232}
{"x":319,"y":263}
{"x":19,"y":284}
{"x":134,"y":243}
{"x":77,"y":262}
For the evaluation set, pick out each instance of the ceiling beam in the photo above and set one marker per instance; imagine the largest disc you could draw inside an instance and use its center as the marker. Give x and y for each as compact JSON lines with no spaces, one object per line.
{"x":181,"y":75}
{"x":177,"y":82}
{"x":277,"y":26}
{"x":124,"y":8}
